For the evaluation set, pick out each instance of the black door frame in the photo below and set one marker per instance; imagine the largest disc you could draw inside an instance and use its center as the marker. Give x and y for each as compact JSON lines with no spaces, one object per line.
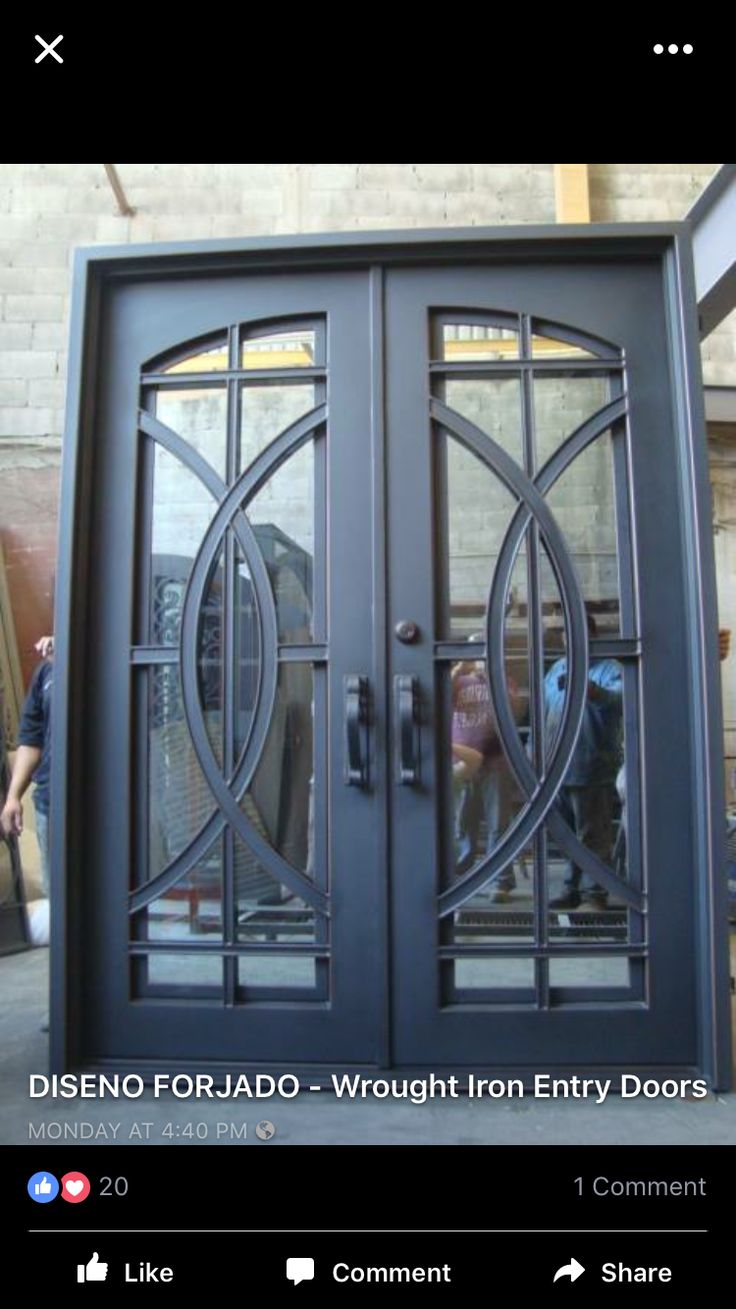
{"x":96,"y":269}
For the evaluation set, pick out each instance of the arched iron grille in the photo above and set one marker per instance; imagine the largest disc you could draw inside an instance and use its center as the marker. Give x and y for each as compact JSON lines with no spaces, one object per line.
{"x":229,"y":890}
{"x":237,"y":876}
{"x":475,"y":349}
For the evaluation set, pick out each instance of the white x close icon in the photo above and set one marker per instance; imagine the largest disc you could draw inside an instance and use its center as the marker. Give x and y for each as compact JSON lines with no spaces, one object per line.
{"x":49,"y":49}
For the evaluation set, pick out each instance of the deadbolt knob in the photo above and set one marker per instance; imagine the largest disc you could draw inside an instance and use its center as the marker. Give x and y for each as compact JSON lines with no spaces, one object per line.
{"x":407,"y":631}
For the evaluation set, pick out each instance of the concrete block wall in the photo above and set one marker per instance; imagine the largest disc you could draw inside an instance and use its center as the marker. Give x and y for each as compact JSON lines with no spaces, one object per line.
{"x":46,"y":210}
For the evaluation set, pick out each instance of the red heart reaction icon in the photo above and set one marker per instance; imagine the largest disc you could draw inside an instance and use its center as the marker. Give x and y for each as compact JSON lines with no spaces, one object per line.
{"x":75,"y":1187}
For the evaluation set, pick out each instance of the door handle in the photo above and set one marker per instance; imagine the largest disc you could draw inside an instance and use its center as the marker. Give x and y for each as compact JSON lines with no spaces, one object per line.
{"x":406,"y":708}
{"x":355,"y":692}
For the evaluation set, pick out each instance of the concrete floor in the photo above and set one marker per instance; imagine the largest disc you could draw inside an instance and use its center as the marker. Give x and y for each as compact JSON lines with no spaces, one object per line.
{"x":323,"y":1120}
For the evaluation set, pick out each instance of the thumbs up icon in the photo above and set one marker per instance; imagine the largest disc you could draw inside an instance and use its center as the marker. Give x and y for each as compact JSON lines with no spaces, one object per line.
{"x":43,"y":1187}
{"x":93,"y":1272}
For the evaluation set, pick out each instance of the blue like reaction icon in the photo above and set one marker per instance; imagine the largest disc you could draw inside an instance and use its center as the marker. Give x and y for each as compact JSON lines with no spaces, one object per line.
{"x":43,"y":1187}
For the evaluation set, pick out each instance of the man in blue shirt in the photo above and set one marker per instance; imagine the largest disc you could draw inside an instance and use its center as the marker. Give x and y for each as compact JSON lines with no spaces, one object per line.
{"x":33,"y":758}
{"x":588,"y":793}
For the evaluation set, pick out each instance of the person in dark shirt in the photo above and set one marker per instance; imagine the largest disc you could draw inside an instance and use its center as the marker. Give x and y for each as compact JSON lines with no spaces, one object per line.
{"x":33,"y":758}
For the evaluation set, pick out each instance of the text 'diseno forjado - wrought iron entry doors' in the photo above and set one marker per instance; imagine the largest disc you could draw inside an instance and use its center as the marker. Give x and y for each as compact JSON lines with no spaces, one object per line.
{"x":386,"y":724}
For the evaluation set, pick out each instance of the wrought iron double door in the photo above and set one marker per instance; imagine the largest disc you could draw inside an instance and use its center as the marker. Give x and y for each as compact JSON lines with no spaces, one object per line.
{"x":385,"y":723}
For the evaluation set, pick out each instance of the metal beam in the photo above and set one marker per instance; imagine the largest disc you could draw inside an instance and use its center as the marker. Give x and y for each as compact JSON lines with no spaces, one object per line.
{"x":572,"y":193}
{"x":126,"y":210}
{"x":713,"y":222}
{"x":720,"y":404}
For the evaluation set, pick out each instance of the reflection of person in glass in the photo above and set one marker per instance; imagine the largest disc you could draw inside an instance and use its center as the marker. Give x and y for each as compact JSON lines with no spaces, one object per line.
{"x":485,"y":793}
{"x":588,"y":796}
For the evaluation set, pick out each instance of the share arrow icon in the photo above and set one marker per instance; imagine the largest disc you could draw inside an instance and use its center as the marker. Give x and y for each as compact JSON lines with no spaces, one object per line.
{"x":571,"y":1270}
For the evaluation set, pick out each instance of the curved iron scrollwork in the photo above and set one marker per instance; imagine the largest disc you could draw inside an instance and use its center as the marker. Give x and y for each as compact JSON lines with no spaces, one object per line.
{"x":166,"y":601}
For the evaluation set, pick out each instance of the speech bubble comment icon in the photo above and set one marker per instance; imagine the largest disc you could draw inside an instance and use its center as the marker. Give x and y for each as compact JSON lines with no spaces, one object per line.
{"x":300,"y":1270}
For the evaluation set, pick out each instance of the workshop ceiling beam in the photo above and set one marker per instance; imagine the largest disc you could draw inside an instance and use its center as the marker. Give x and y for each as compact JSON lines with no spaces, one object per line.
{"x":572,"y":193}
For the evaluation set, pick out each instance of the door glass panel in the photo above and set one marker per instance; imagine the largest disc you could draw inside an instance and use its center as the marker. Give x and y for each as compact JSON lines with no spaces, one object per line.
{"x":282,"y":515}
{"x":199,"y":418}
{"x":486,"y":795}
{"x":240,"y":667}
{"x":546,"y":347}
{"x":182,"y":511}
{"x":561,"y":405}
{"x":494,"y":914}
{"x":173,"y":970}
{"x":532,"y":608}
{"x":281,"y":349}
{"x":552,"y":639}
{"x":554,"y":692}
{"x":583,"y":502}
{"x":209,"y":656}
{"x":276,"y":970}
{"x":246,"y":655}
{"x":280,"y":800}
{"x":587,"y":799}
{"x":479,"y":511}
{"x":191,"y":908}
{"x":267,"y":410}
{"x":266,"y":910}
{"x":493,"y":404}
{"x":180,"y":800}
{"x":503,"y":972}
{"x":204,"y":358}
{"x":516,"y":644}
{"x":471,"y":342}
{"x":592,"y":799}
{"x":587,"y":971}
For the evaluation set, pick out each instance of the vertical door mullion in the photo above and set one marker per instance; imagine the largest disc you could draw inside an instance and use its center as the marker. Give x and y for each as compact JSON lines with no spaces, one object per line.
{"x":320,"y":831}
{"x":622,"y":480}
{"x":629,"y":626}
{"x":319,"y":444}
{"x":357,"y":927}
{"x":379,"y":708}
{"x":412,"y":589}
{"x":535,"y":636}
{"x":229,"y":669}
{"x":141,"y":692}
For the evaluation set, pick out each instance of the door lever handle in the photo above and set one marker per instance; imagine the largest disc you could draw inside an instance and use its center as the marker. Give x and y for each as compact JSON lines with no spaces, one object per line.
{"x":355,"y":692}
{"x":406,"y":708}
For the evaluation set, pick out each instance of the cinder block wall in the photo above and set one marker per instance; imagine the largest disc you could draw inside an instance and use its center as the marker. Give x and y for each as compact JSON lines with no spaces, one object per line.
{"x":48,"y":209}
